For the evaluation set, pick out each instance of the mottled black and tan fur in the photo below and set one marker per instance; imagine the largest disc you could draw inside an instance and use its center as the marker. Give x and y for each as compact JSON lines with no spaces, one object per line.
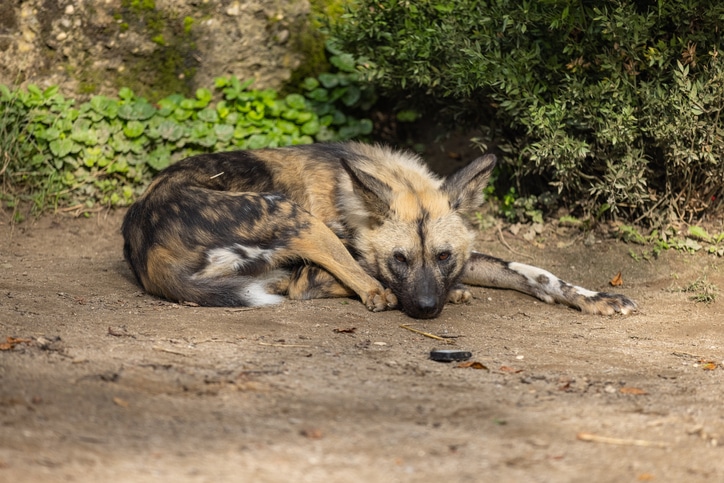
{"x":324,"y":220}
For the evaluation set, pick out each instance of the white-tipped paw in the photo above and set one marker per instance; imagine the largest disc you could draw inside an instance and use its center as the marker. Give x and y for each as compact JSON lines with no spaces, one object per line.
{"x":608,"y":304}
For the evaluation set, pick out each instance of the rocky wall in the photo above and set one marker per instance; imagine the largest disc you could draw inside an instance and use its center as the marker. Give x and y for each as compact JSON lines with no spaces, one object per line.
{"x":155,"y":47}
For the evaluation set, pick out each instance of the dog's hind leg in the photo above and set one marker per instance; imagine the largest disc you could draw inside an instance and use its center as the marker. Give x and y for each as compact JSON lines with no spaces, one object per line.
{"x":312,"y":282}
{"x":484,"y":270}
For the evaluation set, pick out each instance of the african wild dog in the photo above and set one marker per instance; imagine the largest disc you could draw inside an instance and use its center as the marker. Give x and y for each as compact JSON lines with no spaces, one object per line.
{"x":325,"y":220}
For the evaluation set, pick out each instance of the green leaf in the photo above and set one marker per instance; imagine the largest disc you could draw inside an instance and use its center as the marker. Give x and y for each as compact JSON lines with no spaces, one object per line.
{"x":208,"y":115}
{"x":310,"y":128}
{"x":408,"y":115}
{"x":287,"y":127}
{"x":296,"y":101}
{"x":199,"y":129}
{"x":159,"y":158}
{"x":50,"y":91}
{"x":139,"y":110}
{"x":204,"y":95}
{"x":258,"y":141}
{"x":63,"y":147}
{"x":338,"y":118}
{"x":125,"y":93}
{"x":182,"y":114}
{"x":224,"y":132}
{"x":344,"y":62}
{"x":303,"y":117}
{"x":290,"y":115}
{"x":310,"y":83}
{"x":35,"y":90}
{"x":329,"y":80}
{"x":319,"y":95}
{"x":120,"y":144}
{"x":365,"y":127}
{"x":134,"y":129}
{"x":222,"y":109}
{"x":699,"y":233}
{"x":351,"y":96}
{"x":87,"y":137}
{"x":189,"y":104}
{"x":106,"y":107}
{"x":49,"y":134}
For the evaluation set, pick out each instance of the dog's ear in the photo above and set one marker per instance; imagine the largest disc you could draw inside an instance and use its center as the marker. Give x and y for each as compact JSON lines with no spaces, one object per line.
{"x":465,"y":187}
{"x":374,"y":194}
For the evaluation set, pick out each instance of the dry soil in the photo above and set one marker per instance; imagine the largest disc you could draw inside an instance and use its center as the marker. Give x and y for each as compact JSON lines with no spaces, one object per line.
{"x":101,"y":382}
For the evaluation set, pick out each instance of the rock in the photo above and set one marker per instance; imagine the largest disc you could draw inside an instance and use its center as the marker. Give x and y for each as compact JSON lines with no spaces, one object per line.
{"x":176,"y":46}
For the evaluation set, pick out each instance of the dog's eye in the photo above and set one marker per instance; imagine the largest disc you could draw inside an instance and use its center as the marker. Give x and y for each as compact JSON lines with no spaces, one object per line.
{"x":443,"y":256}
{"x":400,"y":257}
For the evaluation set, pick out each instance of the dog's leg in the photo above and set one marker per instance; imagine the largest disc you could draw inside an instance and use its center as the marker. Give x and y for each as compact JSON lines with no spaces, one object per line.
{"x":312,"y":282}
{"x":318,"y":244}
{"x":489,"y":271}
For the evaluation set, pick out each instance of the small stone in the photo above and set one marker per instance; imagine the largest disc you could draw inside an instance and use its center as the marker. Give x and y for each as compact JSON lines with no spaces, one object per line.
{"x":234,"y":10}
{"x":61,"y":36}
{"x":69,"y":10}
{"x":283,"y":36}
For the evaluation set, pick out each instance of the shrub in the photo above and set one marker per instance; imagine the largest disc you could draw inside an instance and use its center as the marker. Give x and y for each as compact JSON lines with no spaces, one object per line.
{"x":615,"y":104}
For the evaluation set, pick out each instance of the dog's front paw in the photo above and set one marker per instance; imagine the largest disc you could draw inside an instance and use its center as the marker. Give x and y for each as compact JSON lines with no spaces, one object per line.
{"x":459,"y":295}
{"x":608,"y":304}
{"x":380,"y":299}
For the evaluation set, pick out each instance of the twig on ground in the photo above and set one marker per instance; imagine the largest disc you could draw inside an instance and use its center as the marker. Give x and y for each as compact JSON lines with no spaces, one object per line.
{"x":283,"y":345}
{"x":505,"y":244}
{"x":594,"y":438}
{"x":427,"y":334}
{"x":161,"y":349}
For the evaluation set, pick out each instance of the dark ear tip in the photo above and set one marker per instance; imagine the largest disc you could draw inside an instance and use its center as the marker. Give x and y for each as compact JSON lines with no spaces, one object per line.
{"x":488,"y":160}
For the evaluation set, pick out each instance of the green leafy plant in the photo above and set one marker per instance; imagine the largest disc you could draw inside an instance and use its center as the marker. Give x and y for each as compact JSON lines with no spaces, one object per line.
{"x":703,"y":291}
{"x":103,"y":152}
{"x":696,"y":239}
{"x":15,"y":144}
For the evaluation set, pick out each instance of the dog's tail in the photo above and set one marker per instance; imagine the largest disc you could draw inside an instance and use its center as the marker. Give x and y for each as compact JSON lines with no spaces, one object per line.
{"x":172,"y":279}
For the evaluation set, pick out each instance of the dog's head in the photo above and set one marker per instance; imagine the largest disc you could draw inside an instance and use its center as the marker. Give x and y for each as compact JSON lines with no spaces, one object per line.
{"x":410,"y":230}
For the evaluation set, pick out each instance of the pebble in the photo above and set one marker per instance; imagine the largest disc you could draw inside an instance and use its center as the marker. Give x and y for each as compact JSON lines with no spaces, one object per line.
{"x":234,"y":10}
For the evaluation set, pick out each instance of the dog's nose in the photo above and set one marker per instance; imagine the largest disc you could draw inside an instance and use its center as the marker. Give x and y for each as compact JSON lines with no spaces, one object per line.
{"x":426,"y":302}
{"x":426,"y":307}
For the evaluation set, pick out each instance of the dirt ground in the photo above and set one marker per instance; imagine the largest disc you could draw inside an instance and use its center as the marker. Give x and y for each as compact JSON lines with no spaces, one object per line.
{"x":100,"y":382}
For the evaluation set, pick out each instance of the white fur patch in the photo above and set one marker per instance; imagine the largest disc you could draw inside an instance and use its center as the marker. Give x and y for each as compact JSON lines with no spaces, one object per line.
{"x":532,"y":273}
{"x":552,"y":285}
{"x":254,"y":292}
{"x":229,"y":260}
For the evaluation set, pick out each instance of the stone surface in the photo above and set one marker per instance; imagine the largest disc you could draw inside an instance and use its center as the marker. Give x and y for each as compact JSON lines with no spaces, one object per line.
{"x":94,"y":47}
